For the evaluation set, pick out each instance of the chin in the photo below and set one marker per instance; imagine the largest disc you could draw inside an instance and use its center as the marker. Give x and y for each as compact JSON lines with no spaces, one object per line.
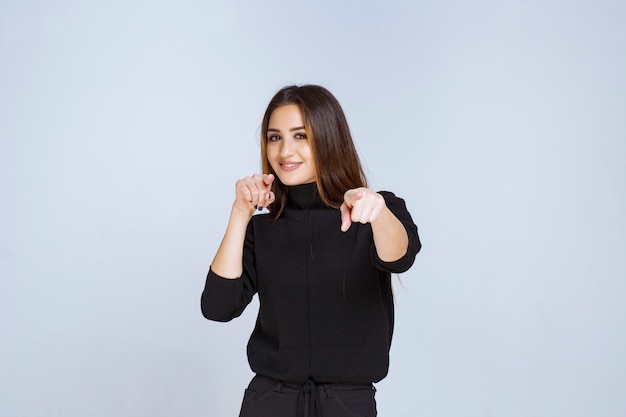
{"x":291,"y":183}
{"x":295,"y":181}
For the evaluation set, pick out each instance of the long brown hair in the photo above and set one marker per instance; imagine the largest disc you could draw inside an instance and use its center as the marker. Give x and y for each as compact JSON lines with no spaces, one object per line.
{"x":336,"y":159}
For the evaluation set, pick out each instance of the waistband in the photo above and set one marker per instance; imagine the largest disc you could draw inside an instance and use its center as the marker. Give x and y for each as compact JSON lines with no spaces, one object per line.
{"x":310,"y":390}
{"x":341,"y":386}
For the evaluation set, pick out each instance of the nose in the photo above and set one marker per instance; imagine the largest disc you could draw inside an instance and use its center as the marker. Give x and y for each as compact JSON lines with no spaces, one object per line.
{"x":286,"y":147}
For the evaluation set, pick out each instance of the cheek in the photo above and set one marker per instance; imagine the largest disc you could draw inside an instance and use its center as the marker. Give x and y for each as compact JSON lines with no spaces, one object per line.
{"x":306,"y":150}
{"x":273,"y":156}
{"x":271,"y":153}
{"x":312,"y":157}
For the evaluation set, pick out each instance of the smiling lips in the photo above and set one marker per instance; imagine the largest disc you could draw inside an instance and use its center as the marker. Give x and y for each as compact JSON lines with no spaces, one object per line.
{"x":290,"y":166}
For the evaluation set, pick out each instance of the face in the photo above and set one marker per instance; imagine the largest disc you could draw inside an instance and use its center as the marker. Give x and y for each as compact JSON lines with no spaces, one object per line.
{"x":288,"y":149}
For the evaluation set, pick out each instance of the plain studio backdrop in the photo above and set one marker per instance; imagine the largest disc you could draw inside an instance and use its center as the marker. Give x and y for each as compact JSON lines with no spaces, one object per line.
{"x":125,"y":124}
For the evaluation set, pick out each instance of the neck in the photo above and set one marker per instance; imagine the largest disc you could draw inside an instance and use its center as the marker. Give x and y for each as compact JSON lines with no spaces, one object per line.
{"x":303,"y":196}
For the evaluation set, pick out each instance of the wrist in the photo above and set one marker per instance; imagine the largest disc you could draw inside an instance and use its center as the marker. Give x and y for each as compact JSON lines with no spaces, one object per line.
{"x":241,"y":216}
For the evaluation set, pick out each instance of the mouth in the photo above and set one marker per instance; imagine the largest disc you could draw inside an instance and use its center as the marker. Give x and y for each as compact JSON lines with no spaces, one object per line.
{"x":290,"y":166}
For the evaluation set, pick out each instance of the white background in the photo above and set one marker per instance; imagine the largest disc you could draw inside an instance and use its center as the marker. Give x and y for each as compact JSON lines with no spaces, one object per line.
{"x":124,"y":125}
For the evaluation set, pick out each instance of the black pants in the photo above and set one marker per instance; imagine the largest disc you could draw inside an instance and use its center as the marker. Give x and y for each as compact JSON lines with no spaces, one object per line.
{"x":266,"y":397}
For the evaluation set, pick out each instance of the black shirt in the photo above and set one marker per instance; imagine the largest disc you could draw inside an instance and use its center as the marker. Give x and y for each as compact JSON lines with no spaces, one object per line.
{"x":326,"y":305}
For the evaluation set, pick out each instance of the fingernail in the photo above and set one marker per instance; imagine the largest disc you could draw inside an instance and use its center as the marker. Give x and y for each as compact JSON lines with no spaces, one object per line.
{"x":256,"y":207}
{"x":260,"y":208}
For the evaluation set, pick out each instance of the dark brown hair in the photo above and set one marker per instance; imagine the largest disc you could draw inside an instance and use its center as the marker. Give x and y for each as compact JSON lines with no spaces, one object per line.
{"x":336,"y":159}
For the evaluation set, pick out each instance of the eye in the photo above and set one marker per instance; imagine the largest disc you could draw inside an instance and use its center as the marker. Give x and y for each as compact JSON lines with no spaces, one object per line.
{"x":273,"y":138}
{"x":300,"y":135}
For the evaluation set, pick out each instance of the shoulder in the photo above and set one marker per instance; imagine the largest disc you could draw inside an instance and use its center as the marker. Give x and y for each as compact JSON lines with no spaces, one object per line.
{"x":396,"y":204}
{"x":387,"y":194}
{"x":390,"y":197}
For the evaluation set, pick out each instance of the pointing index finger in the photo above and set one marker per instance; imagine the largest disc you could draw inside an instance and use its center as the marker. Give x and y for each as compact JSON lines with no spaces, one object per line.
{"x":268,"y":179}
{"x":352,"y":196}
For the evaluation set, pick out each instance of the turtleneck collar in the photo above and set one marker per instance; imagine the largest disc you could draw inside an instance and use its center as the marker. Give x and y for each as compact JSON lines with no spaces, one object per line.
{"x":304,"y":196}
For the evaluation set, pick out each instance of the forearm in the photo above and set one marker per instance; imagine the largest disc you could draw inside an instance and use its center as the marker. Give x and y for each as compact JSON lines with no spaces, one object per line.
{"x":228,"y":261}
{"x":390,"y":236}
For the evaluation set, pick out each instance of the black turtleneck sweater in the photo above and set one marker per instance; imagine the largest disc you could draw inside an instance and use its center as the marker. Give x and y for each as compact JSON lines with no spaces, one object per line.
{"x":326,"y":306}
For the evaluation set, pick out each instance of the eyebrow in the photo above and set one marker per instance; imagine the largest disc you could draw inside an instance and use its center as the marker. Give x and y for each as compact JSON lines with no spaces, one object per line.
{"x":293,"y":129}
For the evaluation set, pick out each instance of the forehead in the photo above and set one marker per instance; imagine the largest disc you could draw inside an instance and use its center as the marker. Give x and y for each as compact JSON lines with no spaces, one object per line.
{"x":286,"y":116}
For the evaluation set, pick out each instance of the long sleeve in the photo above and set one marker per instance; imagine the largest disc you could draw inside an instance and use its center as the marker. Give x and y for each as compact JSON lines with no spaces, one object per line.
{"x":398,"y":207}
{"x":325,"y":299}
{"x":223,"y":299}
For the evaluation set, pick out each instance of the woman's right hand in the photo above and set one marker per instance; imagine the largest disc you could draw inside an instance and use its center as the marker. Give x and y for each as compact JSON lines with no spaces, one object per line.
{"x":253,"y":193}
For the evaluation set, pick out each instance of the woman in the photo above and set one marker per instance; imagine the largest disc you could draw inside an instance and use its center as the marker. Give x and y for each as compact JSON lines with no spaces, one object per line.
{"x":320,"y":260}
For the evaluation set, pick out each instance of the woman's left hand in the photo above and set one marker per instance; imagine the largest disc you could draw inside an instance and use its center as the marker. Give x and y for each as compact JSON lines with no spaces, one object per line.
{"x":360,"y":205}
